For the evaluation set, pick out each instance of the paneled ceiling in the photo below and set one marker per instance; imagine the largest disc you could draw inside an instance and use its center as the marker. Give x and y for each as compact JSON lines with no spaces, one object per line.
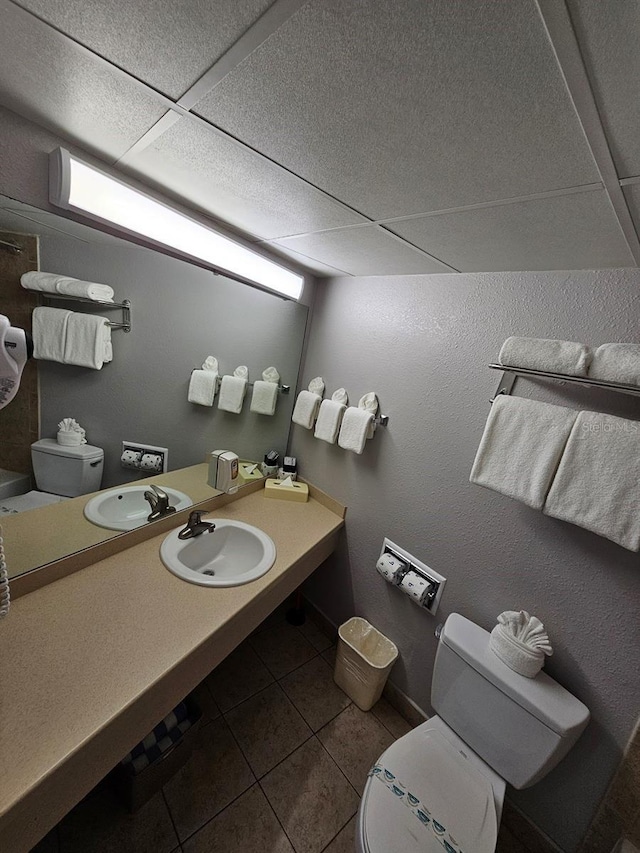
{"x":357,"y":136}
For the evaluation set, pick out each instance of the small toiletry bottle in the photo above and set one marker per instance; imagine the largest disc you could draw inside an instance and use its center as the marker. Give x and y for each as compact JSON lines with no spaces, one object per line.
{"x":289,"y":468}
{"x":269,"y":466}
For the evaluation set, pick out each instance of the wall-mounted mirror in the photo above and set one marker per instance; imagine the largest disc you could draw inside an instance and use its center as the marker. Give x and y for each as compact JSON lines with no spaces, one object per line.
{"x":180,"y":314}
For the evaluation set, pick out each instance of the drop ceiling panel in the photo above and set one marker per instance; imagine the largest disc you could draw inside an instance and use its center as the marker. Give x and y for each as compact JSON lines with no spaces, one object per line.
{"x":632,"y":195}
{"x":406,"y":107}
{"x":609,"y":34}
{"x":233,"y":183}
{"x":364,"y":251}
{"x":167,"y":44}
{"x":50,"y":80}
{"x":576,"y":231}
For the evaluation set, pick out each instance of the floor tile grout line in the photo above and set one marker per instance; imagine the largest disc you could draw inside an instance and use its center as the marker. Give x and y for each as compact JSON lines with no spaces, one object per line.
{"x":339,"y":768}
{"x":219,"y":812}
{"x":173,"y":823}
{"x":275,"y":814}
{"x":340,"y":830}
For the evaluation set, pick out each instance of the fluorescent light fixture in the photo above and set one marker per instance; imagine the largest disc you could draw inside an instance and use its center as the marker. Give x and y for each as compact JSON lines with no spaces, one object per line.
{"x":74,"y":185}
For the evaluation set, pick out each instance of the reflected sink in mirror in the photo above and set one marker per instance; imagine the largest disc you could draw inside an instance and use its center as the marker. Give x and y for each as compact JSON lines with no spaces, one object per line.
{"x":127,"y":508}
{"x":233,"y":553}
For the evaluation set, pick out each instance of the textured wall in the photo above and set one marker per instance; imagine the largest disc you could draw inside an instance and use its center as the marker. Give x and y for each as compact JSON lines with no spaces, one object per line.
{"x":423,"y":343}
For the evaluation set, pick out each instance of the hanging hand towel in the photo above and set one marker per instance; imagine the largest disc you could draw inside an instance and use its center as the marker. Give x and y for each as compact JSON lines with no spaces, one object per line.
{"x":48,"y":282}
{"x":542,"y":354}
{"x":85,"y":344}
{"x":308,"y":403}
{"x":330,"y":416}
{"x":358,"y":424}
{"x":520,"y":448}
{"x":598,"y":481}
{"x":232,"y":390}
{"x":204,"y":383}
{"x":617,"y":363}
{"x":520,"y":641}
{"x":50,"y":333}
{"x":265,"y":392}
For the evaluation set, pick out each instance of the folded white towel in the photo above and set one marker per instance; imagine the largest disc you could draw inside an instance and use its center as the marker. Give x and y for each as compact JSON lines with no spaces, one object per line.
{"x":358,"y":424}
{"x":47,"y":282}
{"x":71,"y":433}
{"x":521,"y":447}
{"x":232,"y":390}
{"x":85,"y":343}
{"x":202,"y":387}
{"x":108,"y":348}
{"x":617,"y":363}
{"x":543,"y":354}
{"x":598,"y":481}
{"x":306,"y":408}
{"x":521,"y":642}
{"x":50,"y":333}
{"x":265,"y":392}
{"x":330,"y":416}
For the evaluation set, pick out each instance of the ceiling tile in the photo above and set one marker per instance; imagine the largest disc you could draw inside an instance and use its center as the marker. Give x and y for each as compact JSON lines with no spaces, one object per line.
{"x":632,"y":195}
{"x":234,"y":184}
{"x":316,"y":267}
{"x":47,"y":78}
{"x":609,"y":33}
{"x":167,"y":44}
{"x":577,"y":231}
{"x":406,"y":107}
{"x":363,"y":251}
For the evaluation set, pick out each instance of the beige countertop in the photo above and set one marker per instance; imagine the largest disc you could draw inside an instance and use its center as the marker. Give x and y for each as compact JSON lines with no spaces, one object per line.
{"x":91,"y":662}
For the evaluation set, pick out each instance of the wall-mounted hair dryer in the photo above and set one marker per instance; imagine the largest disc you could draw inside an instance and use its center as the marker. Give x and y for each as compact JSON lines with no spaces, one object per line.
{"x":16,"y":346}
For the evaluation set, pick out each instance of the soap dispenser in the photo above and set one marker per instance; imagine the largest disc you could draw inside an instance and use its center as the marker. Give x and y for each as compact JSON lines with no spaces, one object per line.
{"x":223,"y":471}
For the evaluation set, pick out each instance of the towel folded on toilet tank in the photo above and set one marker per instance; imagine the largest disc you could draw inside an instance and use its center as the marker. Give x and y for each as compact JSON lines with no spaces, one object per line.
{"x":521,"y":642}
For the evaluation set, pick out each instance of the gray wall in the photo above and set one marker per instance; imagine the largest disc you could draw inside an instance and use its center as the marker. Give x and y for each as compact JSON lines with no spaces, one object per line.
{"x":180,"y":314}
{"x":423,"y":343}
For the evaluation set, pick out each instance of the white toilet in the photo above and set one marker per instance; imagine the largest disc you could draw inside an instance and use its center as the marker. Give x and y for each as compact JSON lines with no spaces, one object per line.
{"x":442,"y":785}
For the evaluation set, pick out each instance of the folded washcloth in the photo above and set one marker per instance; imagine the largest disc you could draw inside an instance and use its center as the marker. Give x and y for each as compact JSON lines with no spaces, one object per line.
{"x":521,"y":447}
{"x":617,"y":363}
{"x":48,"y":282}
{"x":232,"y":390}
{"x":265,"y":392}
{"x":204,"y":383}
{"x":330,"y":416}
{"x":520,"y":641}
{"x":71,"y":433}
{"x":50,"y":333}
{"x":85,"y":343}
{"x":548,"y":355}
{"x":597,"y":485}
{"x":306,"y":408}
{"x":358,"y":424}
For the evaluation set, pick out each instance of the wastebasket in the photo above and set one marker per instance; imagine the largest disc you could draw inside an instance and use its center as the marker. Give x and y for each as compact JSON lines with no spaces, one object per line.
{"x":363,"y":661}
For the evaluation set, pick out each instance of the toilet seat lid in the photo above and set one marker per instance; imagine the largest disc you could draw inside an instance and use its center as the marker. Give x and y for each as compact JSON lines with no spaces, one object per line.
{"x":455,"y":812}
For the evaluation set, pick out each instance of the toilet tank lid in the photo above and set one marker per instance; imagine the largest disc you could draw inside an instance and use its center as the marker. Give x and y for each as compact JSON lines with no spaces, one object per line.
{"x":541,"y":696}
{"x":80,"y":451}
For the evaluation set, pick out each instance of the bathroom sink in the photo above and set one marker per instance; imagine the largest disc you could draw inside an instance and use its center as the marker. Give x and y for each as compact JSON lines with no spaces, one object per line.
{"x":126,"y":508}
{"x":232,"y":554}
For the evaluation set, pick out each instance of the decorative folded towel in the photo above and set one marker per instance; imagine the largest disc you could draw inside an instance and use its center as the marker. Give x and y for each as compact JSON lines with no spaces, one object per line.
{"x":50,"y":333}
{"x":520,"y":641}
{"x":204,"y":383}
{"x":70,"y":433}
{"x":617,"y":363}
{"x":85,"y":343}
{"x":48,"y":282}
{"x":265,"y":392}
{"x":306,"y":408}
{"x":543,"y":354}
{"x":232,"y":390}
{"x":520,"y":448}
{"x":330,"y":416}
{"x":598,"y":481}
{"x":358,"y":424}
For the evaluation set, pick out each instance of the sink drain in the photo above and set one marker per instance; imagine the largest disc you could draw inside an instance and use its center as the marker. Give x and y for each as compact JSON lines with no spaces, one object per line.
{"x":210,"y":572}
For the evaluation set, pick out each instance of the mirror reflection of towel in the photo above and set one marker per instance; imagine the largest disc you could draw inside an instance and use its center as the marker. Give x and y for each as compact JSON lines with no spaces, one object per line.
{"x":86,"y":338}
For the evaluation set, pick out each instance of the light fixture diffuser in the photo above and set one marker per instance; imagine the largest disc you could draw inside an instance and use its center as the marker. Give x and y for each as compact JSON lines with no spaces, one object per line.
{"x":75,"y":185}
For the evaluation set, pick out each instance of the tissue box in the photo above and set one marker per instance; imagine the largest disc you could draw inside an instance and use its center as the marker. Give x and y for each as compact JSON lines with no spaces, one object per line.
{"x":243,"y":471}
{"x":295,"y":492}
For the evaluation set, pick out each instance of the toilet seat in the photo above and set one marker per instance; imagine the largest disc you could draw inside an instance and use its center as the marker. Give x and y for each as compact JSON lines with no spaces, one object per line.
{"x":456,"y":800}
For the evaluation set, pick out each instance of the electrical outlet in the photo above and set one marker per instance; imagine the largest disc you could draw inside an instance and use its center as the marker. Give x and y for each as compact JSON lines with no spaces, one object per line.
{"x":436,"y":580}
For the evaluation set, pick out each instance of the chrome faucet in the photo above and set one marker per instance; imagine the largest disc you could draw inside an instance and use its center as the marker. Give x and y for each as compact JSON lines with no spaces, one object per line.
{"x":159,"y":503}
{"x":196,"y":526}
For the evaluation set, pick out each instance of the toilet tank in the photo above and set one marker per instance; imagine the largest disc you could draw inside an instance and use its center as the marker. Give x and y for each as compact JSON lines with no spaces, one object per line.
{"x":69,"y":471}
{"x":522,"y":727}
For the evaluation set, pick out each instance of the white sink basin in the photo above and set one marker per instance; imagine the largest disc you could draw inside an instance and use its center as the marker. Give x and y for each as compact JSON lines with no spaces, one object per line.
{"x":126,"y":508}
{"x":233,"y":554}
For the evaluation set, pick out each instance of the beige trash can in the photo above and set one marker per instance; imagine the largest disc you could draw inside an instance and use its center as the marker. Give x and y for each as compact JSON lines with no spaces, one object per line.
{"x":363,"y":661}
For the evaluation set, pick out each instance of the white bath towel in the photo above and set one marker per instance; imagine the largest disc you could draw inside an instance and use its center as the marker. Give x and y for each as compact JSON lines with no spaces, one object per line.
{"x":50,"y":333}
{"x":204,"y":383}
{"x":617,"y":363}
{"x":549,"y":355}
{"x":85,"y":343}
{"x":521,"y":447}
{"x":265,"y":392}
{"x":520,"y":641}
{"x":306,"y":408}
{"x":47,"y":282}
{"x":232,"y":390}
{"x":358,"y":424}
{"x":598,"y":481}
{"x":330,"y":416}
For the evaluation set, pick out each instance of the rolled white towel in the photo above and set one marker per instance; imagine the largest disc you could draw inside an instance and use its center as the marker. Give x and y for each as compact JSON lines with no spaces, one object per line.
{"x":203,"y":383}
{"x":616,"y":363}
{"x":43,"y":282}
{"x":358,"y":424}
{"x":545,"y":354}
{"x":521,"y":642}
{"x":265,"y":392}
{"x":85,"y":342}
{"x":233,"y":389}
{"x":47,"y":282}
{"x":306,"y":408}
{"x":50,"y":333}
{"x":330,"y":416}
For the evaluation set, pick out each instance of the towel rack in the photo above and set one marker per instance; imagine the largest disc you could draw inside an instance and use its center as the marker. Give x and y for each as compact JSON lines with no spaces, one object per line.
{"x":13,"y":248}
{"x":282,"y":389}
{"x":510,"y":374}
{"x":124,"y":306}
